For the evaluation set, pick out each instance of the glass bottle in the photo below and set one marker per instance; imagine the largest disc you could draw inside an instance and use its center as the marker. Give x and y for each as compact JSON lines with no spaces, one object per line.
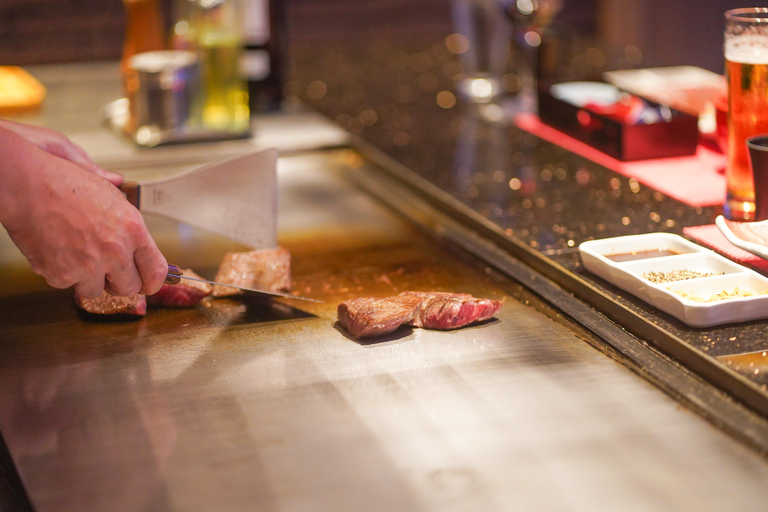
{"x":264,"y":53}
{"x":217,"y":28}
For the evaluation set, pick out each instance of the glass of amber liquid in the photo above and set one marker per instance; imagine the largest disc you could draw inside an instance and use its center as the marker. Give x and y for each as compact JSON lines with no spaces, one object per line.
{"x":746,"y":68}
{"x":217,"y":25}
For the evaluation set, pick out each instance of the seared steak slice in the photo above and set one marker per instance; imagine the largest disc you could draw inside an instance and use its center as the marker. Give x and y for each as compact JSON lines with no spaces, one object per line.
{"x":367,"y":317}
{"x":446,"y":311}
{"x":265,"y":269}
{"x":107,"y":304}
{"x":185,"y":294}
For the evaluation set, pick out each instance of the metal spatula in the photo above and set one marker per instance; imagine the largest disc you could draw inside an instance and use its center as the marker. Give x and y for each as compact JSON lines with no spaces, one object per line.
{"x":236,"y":198}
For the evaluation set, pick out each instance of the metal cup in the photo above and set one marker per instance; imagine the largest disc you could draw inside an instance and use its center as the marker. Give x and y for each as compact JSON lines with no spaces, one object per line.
{"x":758,"y":162}
{"x":161,"y":105}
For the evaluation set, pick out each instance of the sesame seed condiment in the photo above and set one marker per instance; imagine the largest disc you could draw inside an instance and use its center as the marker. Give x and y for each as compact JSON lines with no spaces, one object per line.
{"x":677,"y":275}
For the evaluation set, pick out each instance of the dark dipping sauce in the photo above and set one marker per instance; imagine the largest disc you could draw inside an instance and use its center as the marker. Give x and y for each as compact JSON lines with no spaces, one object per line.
{"x":640,"y":255}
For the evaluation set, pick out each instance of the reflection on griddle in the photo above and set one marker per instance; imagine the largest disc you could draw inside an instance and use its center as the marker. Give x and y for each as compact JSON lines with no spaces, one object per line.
{"x":249,"y":309}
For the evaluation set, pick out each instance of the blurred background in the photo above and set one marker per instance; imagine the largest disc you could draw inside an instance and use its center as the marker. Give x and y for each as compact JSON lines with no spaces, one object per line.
{"x":667,"y":32}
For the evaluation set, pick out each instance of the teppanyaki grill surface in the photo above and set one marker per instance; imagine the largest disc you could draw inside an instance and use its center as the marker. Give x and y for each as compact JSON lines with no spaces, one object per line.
{"x":331,"y":271}
{"x":241,"y":403}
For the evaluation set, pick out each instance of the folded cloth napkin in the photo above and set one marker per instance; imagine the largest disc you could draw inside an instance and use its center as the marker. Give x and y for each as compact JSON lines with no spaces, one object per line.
{"x":711,"y":236}
{"x":696,"y":180}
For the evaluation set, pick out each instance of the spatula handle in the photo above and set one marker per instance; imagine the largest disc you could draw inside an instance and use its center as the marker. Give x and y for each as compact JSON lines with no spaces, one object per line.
{"x":132,"y":192}
{"x":173,"y":274}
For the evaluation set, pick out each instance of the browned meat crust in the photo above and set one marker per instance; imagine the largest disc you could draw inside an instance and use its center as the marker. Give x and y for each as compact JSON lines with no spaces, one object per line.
{"x":368,"y":316}
{"x":264,"y":269}
{"x":107,"y":304}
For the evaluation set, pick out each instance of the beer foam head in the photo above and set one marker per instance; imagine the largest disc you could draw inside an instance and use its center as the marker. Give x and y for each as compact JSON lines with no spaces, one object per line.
{"x":747,"y":48}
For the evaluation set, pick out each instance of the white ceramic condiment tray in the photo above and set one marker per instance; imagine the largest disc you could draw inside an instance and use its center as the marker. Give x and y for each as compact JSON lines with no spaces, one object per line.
{"x":668,"y":253}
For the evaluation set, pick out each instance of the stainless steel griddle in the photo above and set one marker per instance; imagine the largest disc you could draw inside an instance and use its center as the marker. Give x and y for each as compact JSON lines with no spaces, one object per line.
{"x":239,"y":405}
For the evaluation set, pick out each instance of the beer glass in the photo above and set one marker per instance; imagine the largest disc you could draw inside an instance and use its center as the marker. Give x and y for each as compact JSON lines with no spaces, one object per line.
{"x":746,"y":67}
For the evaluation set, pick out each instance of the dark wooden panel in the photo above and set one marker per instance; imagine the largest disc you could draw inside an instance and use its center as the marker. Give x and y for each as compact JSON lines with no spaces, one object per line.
{"x":37,"y":31}
{"x":48,"y":31}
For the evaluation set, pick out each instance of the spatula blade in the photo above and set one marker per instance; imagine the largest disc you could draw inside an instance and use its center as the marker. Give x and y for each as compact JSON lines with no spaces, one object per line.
{"x":236,"y":198}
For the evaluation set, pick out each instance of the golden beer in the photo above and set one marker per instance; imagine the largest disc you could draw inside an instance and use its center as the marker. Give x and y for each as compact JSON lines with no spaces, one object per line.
{"x":225,"y":96}
{"x":748,"y":116}
{"x":223,"y":102}
{"x":746,"y":67}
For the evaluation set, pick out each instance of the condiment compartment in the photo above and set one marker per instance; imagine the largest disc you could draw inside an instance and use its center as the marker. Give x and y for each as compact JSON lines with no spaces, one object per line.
{"x":600,"y":257}
{"x":703,"y":302}
{"x":679,"y":278}
{"x":657,"y":244}
{"x":699,"y":265}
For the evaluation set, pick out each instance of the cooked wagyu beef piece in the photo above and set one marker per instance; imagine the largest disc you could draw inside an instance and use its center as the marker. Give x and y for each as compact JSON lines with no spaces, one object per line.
{"x":107,"y":304}
{"x":184,"y":294}
{"x":263,"y":269}
{"x":444,"y":311}
{"x":367,"y":317}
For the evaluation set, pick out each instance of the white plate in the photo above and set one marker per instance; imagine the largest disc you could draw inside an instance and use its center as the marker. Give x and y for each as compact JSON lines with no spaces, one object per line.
{"x":665,"y":252}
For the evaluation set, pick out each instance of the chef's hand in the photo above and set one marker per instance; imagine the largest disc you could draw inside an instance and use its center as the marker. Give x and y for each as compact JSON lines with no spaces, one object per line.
{"x":73,"y":225}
